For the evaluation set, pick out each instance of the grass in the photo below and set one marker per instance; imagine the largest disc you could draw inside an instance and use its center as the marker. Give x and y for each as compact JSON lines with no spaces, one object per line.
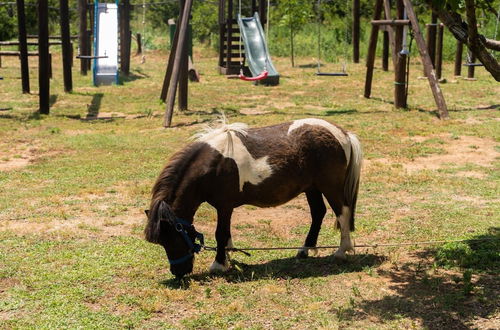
{"x":72,"y":253}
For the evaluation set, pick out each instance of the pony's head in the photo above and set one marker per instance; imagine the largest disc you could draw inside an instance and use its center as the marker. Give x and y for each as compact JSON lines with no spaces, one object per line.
{"x":177,"y":236}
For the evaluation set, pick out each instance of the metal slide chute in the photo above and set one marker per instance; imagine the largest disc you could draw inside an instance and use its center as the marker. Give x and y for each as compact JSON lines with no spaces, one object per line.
{"x":257,"y":55}
{"x":105,"y":44}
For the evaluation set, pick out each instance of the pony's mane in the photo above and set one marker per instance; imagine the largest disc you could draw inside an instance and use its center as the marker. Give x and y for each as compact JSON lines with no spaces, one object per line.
{"x":221,"y":127}
{"x":164,"y":190}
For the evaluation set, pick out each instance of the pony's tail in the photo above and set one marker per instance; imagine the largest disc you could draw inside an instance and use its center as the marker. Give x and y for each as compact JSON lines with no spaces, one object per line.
{"x":351,"y":185}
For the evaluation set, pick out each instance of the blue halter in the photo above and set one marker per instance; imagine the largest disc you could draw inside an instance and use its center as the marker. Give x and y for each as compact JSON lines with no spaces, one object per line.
{"x":182,"y":227}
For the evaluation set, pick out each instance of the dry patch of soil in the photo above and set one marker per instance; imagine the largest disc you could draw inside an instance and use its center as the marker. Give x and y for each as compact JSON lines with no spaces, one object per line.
{"x":21,"y":155}
{"x":462,"y":151}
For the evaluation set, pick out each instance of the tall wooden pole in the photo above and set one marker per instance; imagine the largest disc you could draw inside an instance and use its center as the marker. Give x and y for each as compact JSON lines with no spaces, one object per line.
{"x":43,"y":56}
{"x":431,"y":38}
{"x":23,"y":47}
{"x":183,"y":27}
{"x":355,"y":30}
{"x":66,"y":45}
{"x":470,"y":68}
{"x":385,"y":51}
{"x":82,"y":34}
{"x":401,"y":57}
{"x":183,"y":74}
{"x":125,"y":37}
{"x":372,"y":47}
{"x":170,"y":63}
{"x":439,"y":51}
{"x":458,"y":58}
{"x":429,"y":70}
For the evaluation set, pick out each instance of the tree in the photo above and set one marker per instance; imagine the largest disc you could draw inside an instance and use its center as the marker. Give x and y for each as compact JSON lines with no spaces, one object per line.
{"x":294,"y":14}
{"x":466,"y":31}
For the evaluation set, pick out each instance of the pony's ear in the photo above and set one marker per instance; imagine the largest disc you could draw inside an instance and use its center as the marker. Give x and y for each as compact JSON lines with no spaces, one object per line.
{"x":147,"y":212}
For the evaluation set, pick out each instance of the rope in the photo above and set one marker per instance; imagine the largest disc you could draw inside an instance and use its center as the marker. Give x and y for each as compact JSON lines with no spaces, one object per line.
{"x":374,"y":246}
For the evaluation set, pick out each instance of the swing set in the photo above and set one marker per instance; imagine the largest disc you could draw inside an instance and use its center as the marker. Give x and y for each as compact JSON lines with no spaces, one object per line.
{"x":343,"y":72}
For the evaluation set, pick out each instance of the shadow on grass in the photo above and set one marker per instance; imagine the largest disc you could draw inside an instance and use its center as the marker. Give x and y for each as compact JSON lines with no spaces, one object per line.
{"x":454,"y":286}
{"x":133,"y":76}
{"x":286,"y":268}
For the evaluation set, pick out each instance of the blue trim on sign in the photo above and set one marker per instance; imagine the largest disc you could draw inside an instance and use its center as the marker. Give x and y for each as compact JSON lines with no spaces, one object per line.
{"x":117,"y":77}
{"x":96,"y":34}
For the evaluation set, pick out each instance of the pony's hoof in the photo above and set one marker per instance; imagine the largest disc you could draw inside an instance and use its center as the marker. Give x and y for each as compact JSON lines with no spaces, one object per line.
{"x":340,"y":255}
{"x":302,"y":254}
{"x":218,"y":268}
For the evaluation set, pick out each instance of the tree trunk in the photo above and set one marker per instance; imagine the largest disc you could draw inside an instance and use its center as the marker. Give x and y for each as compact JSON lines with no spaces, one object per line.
{"x":467,"y":33}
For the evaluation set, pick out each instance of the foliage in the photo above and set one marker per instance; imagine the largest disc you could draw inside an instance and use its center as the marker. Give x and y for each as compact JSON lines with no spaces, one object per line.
{"x":205,"y":21}
{"x":7,"y":23}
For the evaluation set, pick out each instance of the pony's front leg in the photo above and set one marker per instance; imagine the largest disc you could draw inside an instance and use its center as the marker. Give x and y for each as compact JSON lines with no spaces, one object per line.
{"x":345,"y":234}
{"x":223,"y":237}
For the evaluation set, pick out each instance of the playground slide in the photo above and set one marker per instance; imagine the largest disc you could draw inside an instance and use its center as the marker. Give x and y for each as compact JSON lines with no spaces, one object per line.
{"x":106,"y":44}
{"x":256,"y":52}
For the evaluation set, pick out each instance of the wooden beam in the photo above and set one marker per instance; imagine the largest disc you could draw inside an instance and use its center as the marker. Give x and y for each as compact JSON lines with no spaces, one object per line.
{"x":429,"y":70}
{"x":182,"y":98}
{"x":439,"y":51}
{"x":400,"y":67}
{"x":82,"y":34}
{"x":390,"y":31}
{"x":23,"y":47}
{"x":43,"y":57}
{"x":170,"y":63}
{"x":125,"y":37}
{"x":183,"y":29}
{"x":458,"y":58}
{"x":385,"y":51}
{"x":355,"y":30}
{"x":393,"y":22}
{"x":372,"y":47}
{"x":16,"y":53}
{"x":66,"y":45}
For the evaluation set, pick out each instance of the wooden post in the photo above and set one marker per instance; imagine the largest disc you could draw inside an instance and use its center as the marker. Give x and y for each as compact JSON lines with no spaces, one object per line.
{"x":138,"y":38}
{"x":125,"y":37}
{"x":170,"y":63}
{"x":390,"y":30}
{"x":263,"y":12}
{"x":355,"y":30}
{"x":229,"y":34}
{"x":66,"y":45}
{"x":222,"y":30}
{"x":23,"y":47}
{"x":43,"y":56}
{"x":439,"y":51}
{"x":458,"y":58}
{"x":429,"y":70}
{"x":400,"y":68}
{"x":372,"y":47}
{"x":385,"y":52}
{"x":470,"y":68}
{"x":431,"y":37}
{"x":183,"y":74}
{"x":82,"y":34}
{"x":182,"y":27}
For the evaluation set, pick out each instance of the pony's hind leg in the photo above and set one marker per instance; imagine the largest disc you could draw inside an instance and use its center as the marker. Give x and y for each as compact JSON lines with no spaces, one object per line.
{"x":343,"y":213}
{"x":318,"y":211}
{"x":345,"y":233}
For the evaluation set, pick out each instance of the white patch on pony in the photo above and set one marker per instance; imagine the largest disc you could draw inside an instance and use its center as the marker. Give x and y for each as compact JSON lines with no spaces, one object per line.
{"x":217,"y":267}
{"x":345,"y":234}
{"x":224,"y":140}
{"x":336,"y":132}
